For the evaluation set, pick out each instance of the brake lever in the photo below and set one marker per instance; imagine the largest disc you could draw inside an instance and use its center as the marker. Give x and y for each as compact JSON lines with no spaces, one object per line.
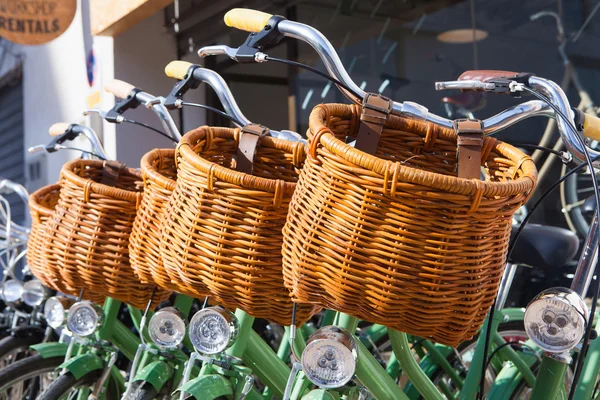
{"x":102,"y":114}
{"x":36,"y":149}
{"x":218,"y":50}
{"x":255,"y":43}
{"x":465,"y":85}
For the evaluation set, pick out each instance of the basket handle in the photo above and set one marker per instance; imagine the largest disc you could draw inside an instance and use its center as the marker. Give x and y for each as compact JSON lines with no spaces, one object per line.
{"x":249,"y":139}
{"x":376,"y":110}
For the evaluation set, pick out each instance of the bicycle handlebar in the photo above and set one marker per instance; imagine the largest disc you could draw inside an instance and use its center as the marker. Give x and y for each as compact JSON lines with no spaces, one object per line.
{"x":132,"y":97}
{"x":8,"y":187}
{"x":182,"y":70}
{"x":249,"y":20}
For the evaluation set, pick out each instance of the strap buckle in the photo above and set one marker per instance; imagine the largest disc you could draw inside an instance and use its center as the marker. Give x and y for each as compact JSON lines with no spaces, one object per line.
{"x":249,"y":138}
{"x":469,"y":144}
{"x":376,"y":110}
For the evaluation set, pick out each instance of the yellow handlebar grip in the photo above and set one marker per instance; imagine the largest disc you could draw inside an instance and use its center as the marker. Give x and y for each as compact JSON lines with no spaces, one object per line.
{"x":591,"y":127}
{"x":119,"y":88}
{"x":246,"y":19}
{"x":59,"y":128}
{"x":177,"y":69}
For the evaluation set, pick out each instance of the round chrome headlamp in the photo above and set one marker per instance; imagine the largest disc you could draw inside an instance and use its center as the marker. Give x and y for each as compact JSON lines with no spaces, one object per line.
{"x":213,"y":330}
{"x":84,"y":318}
{"x":329,"y":359}
{"x":55,"y":311}
{"x":556,"y":319}
{"x":11,"y":291}
{"x":34,"y":293}
{"x":167,"y":328}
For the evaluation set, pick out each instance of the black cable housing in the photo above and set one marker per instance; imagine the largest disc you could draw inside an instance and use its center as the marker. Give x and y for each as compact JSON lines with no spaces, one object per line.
{"x":316,"y":71}
{"x":130,"y":121}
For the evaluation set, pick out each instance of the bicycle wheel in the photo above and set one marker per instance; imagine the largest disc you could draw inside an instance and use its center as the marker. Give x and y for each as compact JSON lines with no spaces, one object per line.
{"x":13,"y":348}
{"x":67,"y":386}
{"x":26,"y":378}
{"x":573,"y":193}
{"x":142,"y":391}
{"x":510,"y":331}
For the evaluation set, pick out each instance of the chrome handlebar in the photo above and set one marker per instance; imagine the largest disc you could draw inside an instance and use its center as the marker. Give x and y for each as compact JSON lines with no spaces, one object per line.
{"x":218,"y":84}
{"x":500,"y":121}
{"x":156,"y":104}
{"x":8,"y":186}
{"x":91,"y":135}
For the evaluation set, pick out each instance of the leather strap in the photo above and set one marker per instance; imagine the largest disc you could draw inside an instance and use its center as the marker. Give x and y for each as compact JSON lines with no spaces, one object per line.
{"x":249,"y":139}
{"x":375,"y":111}
{"x":470,"y":142}
{"x":111,"y":172}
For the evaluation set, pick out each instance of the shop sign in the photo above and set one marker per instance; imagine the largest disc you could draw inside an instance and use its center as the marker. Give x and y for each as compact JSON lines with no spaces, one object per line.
{"x":32,"y":22}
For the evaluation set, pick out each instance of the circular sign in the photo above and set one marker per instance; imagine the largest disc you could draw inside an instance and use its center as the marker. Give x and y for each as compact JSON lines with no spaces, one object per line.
{"x":35,"y":21}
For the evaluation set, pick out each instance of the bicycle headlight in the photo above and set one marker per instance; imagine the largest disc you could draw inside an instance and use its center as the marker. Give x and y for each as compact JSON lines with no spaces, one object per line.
{"x":34,"y":293}
{"x":11,"y":291}
{"x":55,"y":311}
{"x":329,"y":359}
{"x":556,"y":319}
{"x":84,"y":318}
{"x":167,"y":328}
{"x":213,"y":330}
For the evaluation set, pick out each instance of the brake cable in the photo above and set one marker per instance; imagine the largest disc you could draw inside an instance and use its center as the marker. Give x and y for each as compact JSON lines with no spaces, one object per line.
{"x":316,"y":71}
{"x":131,"y":121}
{"x":215,"y":110}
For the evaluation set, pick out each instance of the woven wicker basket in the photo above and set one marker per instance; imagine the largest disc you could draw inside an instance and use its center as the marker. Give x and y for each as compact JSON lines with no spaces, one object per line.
{"x":222,"y":230}
{"x":159,"y":173}
{"x":42,"y":203}
{"x":396,"y":238}
{"x":87,"y":237}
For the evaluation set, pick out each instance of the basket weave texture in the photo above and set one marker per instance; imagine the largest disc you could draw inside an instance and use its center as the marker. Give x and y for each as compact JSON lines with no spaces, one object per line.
{"x":396,"y":238}
{"x":42,"y":203}
{"x":159,"y":173}
{"x":87,"y":237}
{"x":221,"y":236}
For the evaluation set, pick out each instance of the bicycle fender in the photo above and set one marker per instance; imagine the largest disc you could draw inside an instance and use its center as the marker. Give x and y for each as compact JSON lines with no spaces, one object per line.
{"x":208,"y":387}
{"x":83,"y":364}
{"x":156,"y":373}
{"x":50,"y":349}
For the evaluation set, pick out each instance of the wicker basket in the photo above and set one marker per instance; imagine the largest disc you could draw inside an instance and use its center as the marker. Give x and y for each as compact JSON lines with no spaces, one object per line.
{"x":159,"y":173}
{"x":87,"y":237}
{"x":396,"y":238}
{"x":222,"y":230}
{"x":42,"y":203}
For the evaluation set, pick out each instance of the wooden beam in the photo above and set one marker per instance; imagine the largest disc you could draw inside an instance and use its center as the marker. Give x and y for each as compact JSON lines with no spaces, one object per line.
{"x":111,"y":17}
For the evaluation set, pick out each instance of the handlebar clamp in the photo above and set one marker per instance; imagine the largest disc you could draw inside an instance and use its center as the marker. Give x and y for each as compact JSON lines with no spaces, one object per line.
{"x":131,"y":102}
{"x":257,"y":42}
{"x":188,"y":82}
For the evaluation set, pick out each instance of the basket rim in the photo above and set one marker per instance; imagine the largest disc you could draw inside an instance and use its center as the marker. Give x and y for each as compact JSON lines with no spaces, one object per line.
{"x":152,"y":173}
{"x":385,"y":168}
{"x":184,"y":148}
{"x":34,"y":204}
{"x":99,"y":188}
